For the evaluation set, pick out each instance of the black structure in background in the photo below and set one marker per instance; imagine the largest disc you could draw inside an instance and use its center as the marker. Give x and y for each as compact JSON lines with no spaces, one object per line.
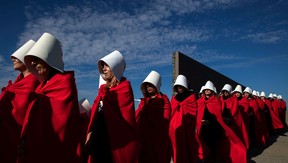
{"x":198,"y":74}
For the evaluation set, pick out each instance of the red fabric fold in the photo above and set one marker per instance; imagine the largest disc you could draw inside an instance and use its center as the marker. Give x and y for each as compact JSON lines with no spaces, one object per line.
{"x":237,"y":123}
{"x":276,"y":122}
{"x":153,"y":117}
{"x":119,"y":113}
{"x":260,"y":132}
{"x":51,"y":130}
{"x":229,"y":148}
{"x":14,"y":99}
{"x":182,"y":130}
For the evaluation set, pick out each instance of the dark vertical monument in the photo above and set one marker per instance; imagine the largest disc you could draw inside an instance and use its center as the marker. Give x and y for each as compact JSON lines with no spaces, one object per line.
{"x":197,"y":73}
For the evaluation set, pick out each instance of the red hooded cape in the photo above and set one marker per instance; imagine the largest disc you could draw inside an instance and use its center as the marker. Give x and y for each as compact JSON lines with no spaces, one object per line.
{"x":282,"y":113}
{"x":229,"y":148}
{"x":276,"y":107}
{"x":119,"y":114}
{"x":153,"y":117}
{"x":182,"y":129}
{"x":51,"y":130}
{"x":258,"y":128}
{"x":15,"y":99}
{"x":276,"y":122}
{"x":236,"y":123}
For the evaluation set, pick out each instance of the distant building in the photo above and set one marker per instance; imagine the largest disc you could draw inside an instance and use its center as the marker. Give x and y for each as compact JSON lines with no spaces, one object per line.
{"x":197,"y":73}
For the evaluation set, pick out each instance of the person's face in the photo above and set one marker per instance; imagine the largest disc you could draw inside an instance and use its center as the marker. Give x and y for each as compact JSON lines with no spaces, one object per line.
{"x":17,"y":64}
{"x":41,"y":68}
{"x":225,"y":93}
{"x":246,"y":94}
{"x":208,"y":92}
{"x":151,"y":89}
{"x":238,"y":94}
{"x":108,"y":74}
{"x":180,"y":89}
{"x":262,"y":97}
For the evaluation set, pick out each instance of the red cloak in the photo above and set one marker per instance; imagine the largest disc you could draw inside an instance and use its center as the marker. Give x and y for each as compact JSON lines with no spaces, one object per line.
{"x":282,"y":113}
{"x":119,"y":114}
{"x":245,"y":111}
{"x":15,"y":99}
{"x":276,"y":107}
{"x":276,"y":122}
{"x":153,"y":118}
{"x":261,"y":106}
{"x":229,"y":146}
{"x":257,"y":128}
{"x":182,"y":129}
{"x":51,"y":130}
{"x":236,"y":123}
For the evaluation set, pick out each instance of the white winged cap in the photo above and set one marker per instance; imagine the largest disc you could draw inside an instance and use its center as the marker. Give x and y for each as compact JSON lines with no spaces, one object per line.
{"x":209,"y":85}
{"x":182,"y":81}
{"x":227,"y":87}
{"x":238,"y":88}
{"x":153,"y":78}
{"x":23,"y":50}
{"x":262,"y":94}
{"x":116,"y":62}
{"x":49,"y":49}
{"x":248,"y":90}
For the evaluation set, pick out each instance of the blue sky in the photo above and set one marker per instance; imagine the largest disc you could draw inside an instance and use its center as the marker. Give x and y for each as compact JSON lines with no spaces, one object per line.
{"x":246,"y":40}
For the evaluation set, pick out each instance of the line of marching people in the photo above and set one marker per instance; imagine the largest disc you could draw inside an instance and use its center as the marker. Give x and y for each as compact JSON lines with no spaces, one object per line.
{"x":223,"y":126}
{"x":42,"y":121}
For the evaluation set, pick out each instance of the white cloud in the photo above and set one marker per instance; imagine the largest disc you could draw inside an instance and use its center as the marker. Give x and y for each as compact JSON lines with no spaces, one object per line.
{"x":88,"y":34}
{"x":267,"y":37}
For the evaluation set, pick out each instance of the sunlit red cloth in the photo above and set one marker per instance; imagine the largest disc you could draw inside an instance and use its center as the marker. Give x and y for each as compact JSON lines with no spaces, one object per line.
{"x":119,"y":114}
{"x":51,"y":130}
{"x":14,"y":99}
{"x":261,"y":106}
{"x":245,"y":111}
{"x":237,"y":123}
{"x":259,"y":128}
{"x":182,"y":129}
{"x":229,"y":148}
{"x":153,"y":117}
{"x":276,"y":122}
{"x":277,"y":109}
{"x":282,"y":113}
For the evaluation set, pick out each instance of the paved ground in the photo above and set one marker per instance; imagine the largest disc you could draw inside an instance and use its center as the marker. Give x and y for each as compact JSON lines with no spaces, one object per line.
{"x":275,"y":152}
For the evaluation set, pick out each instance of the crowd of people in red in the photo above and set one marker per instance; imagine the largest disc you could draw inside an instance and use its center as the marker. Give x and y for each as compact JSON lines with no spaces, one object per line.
{"x":42,"y":121}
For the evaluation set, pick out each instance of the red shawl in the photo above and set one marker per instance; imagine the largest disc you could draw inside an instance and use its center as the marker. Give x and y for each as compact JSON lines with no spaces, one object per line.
{"x":276,"y":122}
{"x":230,"y":148}
{"x":51,"y":130}
{"x":259,"y":128}
{"x":153,"y":117}
{"x":182,"y":129}
{"x":282,"y":113}
{"x":15,"y":99}
{"x":119,"y":113}
{"x":276,"y":107}
{"x":237,"y":123}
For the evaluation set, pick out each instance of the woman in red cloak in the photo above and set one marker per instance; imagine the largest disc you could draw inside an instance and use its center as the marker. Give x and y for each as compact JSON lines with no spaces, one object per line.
{"x":15,"y":99}
{"x":244,"y":109}
{"x":153,"y":117}
{"x":183,"y":123}
{"x":283,"y":107}
{"x":51,"y":131}
{"x":232,"y":115}
{"x":218,"y":143}
{"x":257,"y":130}
{"x":273,"y":124}
{"x":111,"y":135}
